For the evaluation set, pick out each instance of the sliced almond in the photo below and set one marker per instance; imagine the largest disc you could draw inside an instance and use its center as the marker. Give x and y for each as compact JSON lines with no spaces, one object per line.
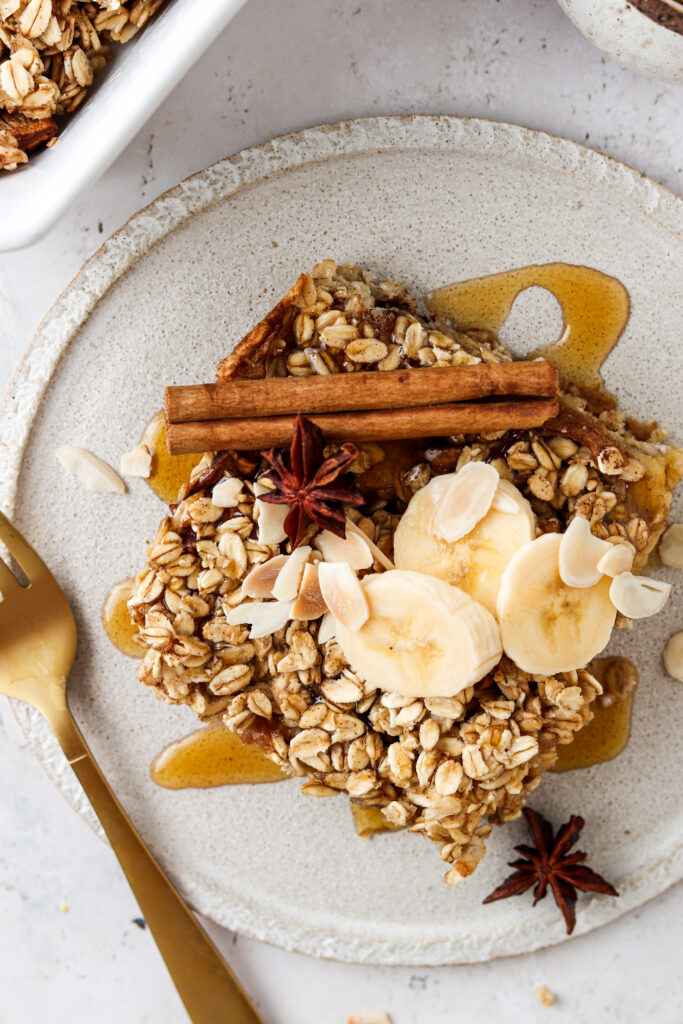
{"x":327,"y":628}
{"x":671,"y":546}
{"x":379,"y":555}
{"x":580,"y":553}
{"x":309,"y":603}
{"x":228,"y":492}
{"x":618,"y":559}
{"x":271,"y":518}
{"x":504,"y":501}
{"x":264,"y":617}
{"x":636,"y":597}
{"x":465,"y":501}
{"x":261,"y":580}
{"x":343,"y":594}
{"x":271,"y":523}
{"x":673,"y":657}
{"x":287,"y":583}
{"x":95,"y":474}
{"x":137,"y":463}
{"x":352,"y":549}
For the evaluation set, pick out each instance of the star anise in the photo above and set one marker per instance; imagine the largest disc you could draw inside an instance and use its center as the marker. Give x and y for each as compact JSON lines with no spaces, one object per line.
{"x":549,"y":863}
{"x":316,"y":489}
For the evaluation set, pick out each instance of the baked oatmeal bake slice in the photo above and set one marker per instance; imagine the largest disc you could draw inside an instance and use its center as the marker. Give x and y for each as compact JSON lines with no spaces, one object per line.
{"x":447,"y":767}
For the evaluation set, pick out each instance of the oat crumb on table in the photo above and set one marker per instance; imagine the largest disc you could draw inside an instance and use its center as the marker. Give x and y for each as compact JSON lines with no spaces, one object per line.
{"x":545,"y":996}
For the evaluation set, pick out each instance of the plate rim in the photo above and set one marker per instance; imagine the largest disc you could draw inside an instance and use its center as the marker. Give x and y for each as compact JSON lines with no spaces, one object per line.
{"x":170,"y":211}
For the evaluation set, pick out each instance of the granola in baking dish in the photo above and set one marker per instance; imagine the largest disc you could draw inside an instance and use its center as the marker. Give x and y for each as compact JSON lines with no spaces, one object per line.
{"x":50,"y":53}
{"x":445,"y":766}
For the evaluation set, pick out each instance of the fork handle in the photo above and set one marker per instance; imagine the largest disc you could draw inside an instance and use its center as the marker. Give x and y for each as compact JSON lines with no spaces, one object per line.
{"x":208,"y":988}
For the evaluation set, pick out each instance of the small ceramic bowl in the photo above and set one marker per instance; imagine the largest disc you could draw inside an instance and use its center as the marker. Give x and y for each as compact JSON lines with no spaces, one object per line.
{"x":646,"y":35}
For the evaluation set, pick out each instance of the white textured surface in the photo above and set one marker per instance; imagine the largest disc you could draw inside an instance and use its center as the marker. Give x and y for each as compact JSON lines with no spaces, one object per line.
{"x":464,"y":69}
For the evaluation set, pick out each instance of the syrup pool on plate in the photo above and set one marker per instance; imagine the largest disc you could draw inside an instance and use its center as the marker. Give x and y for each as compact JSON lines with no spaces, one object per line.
{"x":606,"y":736}
{"x":369,"y":821}
{"x":595,"y":309}
{"x":212,"y":756}
{"x":116,"y":620}
{"x":215,"y":756}
{"x":168,"y":471}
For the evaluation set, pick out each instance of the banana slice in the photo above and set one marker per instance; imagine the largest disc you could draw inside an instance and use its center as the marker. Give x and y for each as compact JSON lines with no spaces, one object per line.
{"x":545,"y":625}
{"x":423,"y":637}
{"x":474,"y":563}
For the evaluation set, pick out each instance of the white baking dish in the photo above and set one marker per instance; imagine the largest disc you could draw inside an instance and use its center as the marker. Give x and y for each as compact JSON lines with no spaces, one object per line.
{"x":139,"y":77}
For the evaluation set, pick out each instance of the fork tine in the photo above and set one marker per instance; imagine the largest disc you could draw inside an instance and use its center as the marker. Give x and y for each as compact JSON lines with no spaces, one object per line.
{"x":7,"y":580}
{"x":20,"y":549}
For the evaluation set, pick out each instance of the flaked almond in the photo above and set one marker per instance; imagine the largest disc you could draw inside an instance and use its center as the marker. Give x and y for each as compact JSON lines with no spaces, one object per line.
{"x":617,"y":560}
{"x":671,"y":546}
{"x":503,"y":500}
{"x":580,"y":553}
{"x":637,"y":597}
{"x":327,"y":628}
{"x":377,"y":552}
{"x":352,"y":549}
{"x":95,"y":474}
{"x":228,"y":492}
{"x":271,"y":518}
{"x":673,"y":656}
{"x":264,"y":617}
{"x":287,"y":583}
{"x":137,"y":463}
{"x":465,"y":501}
{"x":261,"y":580}
{"x":309,"y":603}
{"x":343,"y":594}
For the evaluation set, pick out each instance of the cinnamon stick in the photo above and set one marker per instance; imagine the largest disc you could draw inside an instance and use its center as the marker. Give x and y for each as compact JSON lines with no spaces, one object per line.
{"x":395,"y":389}
{"x":256,"y":433}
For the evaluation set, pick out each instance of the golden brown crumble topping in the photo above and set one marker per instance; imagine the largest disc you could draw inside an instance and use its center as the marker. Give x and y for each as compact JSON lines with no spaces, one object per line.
{"x":445,"y":767}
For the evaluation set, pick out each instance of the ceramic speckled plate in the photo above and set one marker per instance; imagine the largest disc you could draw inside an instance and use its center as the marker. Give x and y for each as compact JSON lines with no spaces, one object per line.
{"x":424,"y":200}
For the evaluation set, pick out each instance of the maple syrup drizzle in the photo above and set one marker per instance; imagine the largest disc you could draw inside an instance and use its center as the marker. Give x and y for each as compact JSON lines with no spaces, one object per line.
{"x":116,"y":620}
{"x":212,"y":756}
{"x":595,"y":309}
{"x":168,"y":471}
{"x":608,"y":733}
{"x":369,"y":821}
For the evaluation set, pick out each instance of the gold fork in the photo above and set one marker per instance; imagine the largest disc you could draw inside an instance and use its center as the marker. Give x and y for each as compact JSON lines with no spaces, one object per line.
{"x":37,"y":649}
